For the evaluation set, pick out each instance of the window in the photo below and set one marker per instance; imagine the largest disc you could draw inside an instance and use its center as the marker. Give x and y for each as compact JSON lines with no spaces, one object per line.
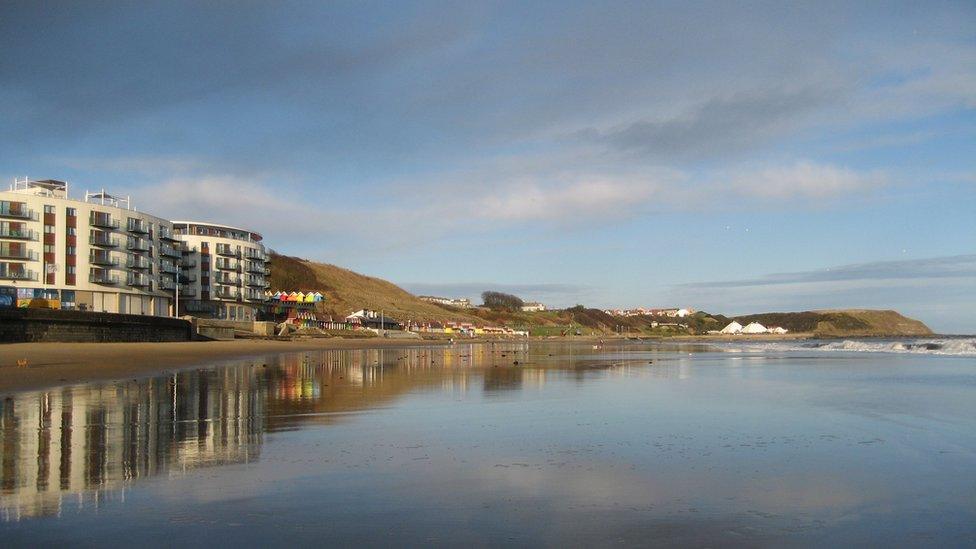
{"x":49,"y":229}
{"x":49,"y":248}
{"x":71,"y":250}
{"x":49,"y":209}
{"x":70,"y":269}
{"x":72,"y":231}
{"x":71,"y":212}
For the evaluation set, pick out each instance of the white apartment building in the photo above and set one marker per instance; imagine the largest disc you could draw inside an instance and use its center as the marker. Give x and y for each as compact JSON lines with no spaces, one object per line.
{"x":97,"y":254}
{"x":225,"y":271}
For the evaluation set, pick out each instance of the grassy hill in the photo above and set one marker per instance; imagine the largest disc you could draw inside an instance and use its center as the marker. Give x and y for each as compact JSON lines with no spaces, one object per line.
{"x":346,"y":291}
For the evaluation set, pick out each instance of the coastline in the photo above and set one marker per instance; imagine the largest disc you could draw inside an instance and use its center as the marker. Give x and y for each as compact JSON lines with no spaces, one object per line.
{"x":54,"y":364}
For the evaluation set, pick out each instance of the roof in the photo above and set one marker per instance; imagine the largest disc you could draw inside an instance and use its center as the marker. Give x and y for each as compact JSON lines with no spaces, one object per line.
{"x":220,"y":226}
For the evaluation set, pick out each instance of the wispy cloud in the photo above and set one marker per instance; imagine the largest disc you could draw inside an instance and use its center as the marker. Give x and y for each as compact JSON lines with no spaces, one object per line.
{"x":959,"y":266}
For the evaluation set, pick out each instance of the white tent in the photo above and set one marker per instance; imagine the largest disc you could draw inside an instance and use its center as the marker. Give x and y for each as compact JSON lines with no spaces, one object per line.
{"x":778,"y":330}
{"x":754,"y":328}
{"x":733,"y":328}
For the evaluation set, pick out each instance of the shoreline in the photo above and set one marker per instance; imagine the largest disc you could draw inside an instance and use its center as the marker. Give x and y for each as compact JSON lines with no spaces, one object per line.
{"x":56,"y":364}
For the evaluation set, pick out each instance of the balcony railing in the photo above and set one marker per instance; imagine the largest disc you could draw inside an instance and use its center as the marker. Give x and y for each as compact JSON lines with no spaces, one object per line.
{"x":223,"y":249}
{"x":254,"y":295}
{"x":255,"y":267}
{"x":103,"y":239}
{"x":166,"y":234}
{"x":102,"y":259}
{"x":104,"y":221}
{"x":224,"y":292}
{"x":17,"y":234}
{"x":226,"y":265}
{"x":23,"y":255}
{"x":188,"y":263}
{"x":138,"y":262}
{"x":8,"y":272}
{"x":137,"y":226}
{"x":168,"y":251}
{"x":191,"y":277}
{"x":267,"y":271}
{"x":137,"y":279}
{"x":16,"y":210}
{"x":170,"y":268}
{"x":225,"y":278}
{"x":138,"y":244}
{"x":256,"y":281}
{"x":187,"y":290}
{"x":167,"y":284}
{"x":102,"y":277}
{"x":251,"y":253}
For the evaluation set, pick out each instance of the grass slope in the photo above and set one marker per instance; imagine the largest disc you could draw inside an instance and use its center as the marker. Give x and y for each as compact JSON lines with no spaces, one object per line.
{"x":346,"y":291}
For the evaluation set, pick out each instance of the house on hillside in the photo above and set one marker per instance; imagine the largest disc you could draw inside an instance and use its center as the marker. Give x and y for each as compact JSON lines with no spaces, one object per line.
{"x":754,"y":328}
{"x":733,"y":328}
{"x":533,"y":307}
{"x":373,"y":320}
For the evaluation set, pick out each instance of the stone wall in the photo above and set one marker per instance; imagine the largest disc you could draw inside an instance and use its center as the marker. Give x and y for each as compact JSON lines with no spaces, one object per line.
{"x":48,"y":325}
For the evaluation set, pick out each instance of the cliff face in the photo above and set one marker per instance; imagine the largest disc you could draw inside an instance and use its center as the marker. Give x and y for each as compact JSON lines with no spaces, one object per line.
{"x":843,"y":323}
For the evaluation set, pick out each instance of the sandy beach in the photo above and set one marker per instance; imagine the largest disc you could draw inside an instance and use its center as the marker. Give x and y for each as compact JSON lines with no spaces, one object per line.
{"x":51,"y":364}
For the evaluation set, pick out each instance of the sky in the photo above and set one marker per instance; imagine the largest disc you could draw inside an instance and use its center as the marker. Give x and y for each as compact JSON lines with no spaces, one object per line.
{"x":731,"y":157}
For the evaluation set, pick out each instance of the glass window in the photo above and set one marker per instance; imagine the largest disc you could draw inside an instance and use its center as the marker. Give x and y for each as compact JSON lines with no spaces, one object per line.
{"x":49,"y":248}
{"x":49,"y":209}
{"x":70,"y":269}
{"x":71,"y":250}
{"x":71,"y":212}
{"x":72,"y":231}
{"x":49,"y":229}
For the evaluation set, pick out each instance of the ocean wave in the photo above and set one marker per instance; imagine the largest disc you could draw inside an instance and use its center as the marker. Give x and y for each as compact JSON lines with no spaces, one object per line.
{"x":930,"y":346}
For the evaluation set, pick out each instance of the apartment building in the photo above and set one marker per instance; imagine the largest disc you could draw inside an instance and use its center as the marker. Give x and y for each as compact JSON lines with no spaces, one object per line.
{"x":97,"y":254}
{"x":225,"y":271}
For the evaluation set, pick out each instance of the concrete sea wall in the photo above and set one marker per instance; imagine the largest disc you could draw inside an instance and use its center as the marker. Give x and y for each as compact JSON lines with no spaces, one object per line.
{"x":47,"y":325}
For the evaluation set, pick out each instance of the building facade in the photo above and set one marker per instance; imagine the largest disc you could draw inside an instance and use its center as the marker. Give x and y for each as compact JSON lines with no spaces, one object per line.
{"x":97,"y":254}
{"x":225,"y":270}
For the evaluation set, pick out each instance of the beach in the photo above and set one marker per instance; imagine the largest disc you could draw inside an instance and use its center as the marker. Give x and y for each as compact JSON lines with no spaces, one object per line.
{"x":50,"y":364}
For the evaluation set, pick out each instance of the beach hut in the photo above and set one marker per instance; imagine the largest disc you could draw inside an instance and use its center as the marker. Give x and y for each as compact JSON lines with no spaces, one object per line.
{"x":754,"y":328}
{"x":733,"y":328}
{"x":318,"y":296}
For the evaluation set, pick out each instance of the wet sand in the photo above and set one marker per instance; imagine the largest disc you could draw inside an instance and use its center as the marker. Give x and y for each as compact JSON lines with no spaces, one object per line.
{"x":51,"y":364}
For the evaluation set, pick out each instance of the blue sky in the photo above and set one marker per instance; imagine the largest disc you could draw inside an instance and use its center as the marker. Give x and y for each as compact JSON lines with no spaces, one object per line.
{"x":722,"y":156}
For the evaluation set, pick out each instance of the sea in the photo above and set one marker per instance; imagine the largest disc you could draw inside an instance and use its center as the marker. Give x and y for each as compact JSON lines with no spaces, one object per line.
{"x":858,"y":442}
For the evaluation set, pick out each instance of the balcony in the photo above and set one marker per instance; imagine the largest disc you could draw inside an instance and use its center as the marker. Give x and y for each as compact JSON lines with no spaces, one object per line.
{"x":254,"y":254}
{"x":137,"y":226}
{"x":225,"y":250}
{"x":187,"y":291}
{"x":226,"y":278}
{"x":254,"y":295}
{"x":137,"y":244}
{"x":167,"y":284}
{"x":227,"y":265}
{"x":17,"y":233}
{"x":15,"y":271}
{"x":226,"y":292}
{"x":169,"y":268}
{"x":22,"y":255}
{"x":255,"y":267}
{"x":168,"y":251}
{"x":102,"y":276}
{"x":166,"y":233}
{"x":191,"y":277}
{"x":101,"y":257}
{"x":267,"y":271}
{"x":138,"y":262}
{"x":188,"y":264}
{"x":104,"y":221}
{"x":137,"y":280}
{"x":255,"y":281}
{"x":103,"y":239}
{"x":16,"y":210}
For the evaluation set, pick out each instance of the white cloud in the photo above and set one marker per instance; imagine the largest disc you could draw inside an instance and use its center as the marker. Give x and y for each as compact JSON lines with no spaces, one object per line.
{"x":803,"y":179}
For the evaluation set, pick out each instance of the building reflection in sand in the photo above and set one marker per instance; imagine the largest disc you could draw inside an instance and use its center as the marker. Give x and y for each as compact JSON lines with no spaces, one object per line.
{"x":84,"y":444}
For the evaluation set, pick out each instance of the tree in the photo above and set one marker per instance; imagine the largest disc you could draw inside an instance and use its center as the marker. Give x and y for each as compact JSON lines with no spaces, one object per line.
{"x":498,"y":301}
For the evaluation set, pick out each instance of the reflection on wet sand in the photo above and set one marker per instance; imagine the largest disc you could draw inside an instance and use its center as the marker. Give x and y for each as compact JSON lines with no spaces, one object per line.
{"x":82,"y":444}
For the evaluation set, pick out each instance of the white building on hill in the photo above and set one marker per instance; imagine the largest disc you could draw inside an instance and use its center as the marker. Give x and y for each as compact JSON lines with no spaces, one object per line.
{"x":733,"y":328}
{"x":754,"y":328}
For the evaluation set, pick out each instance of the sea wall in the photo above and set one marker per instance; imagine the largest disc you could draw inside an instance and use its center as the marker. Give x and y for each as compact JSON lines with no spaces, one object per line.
{"x":47,"y":325}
